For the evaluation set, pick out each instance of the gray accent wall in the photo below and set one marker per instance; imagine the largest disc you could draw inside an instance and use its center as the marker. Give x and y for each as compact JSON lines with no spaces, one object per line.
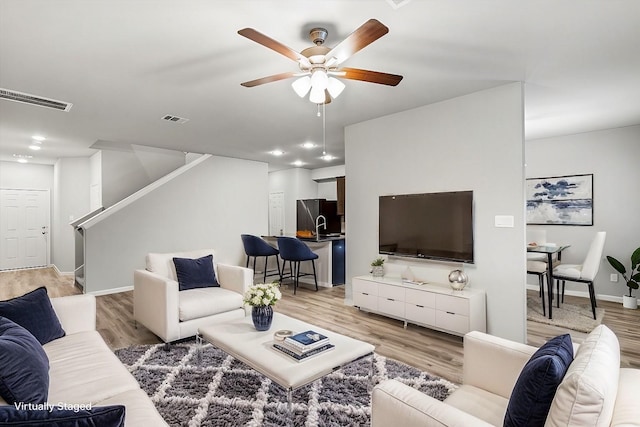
{"x":612,"y":157}
{"x":474,"y":142}
{"x":207,"y":206}
{"x":70,"y":202}
{"x":131,"y":167}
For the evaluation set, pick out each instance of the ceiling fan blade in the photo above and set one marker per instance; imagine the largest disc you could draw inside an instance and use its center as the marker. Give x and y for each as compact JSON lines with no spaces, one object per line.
{"x":371,"y":76}
{"x":363,"y":36}
{"x":268,"y":79}
{"x":275,"y":45}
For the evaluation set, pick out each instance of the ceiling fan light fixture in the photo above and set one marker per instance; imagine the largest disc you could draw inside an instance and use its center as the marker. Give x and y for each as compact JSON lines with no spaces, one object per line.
{"x":319,"y":79}
{"x":335,"y":87}
{"x":302,"y":86}
{"x":317,"y":95}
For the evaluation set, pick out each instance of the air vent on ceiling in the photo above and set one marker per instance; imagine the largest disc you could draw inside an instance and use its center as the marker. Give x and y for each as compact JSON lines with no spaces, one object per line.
{"x":12,"y":95}
{"x":397,"y":4}
{"x":175,"y":119}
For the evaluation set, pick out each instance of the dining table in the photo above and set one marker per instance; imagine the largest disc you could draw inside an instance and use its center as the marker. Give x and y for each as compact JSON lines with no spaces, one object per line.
{"x":549,"y":250}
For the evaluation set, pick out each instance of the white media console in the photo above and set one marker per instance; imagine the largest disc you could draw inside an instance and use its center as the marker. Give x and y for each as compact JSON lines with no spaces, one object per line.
{"x":432,"y":305}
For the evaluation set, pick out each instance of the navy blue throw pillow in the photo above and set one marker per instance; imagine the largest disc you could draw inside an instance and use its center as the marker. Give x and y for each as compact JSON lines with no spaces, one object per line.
{"x":536,"y":386}
{"x":24,"y":366}
{"x":60,"y":416}
{"x":195,"y":273}
{"x":33,"y":311}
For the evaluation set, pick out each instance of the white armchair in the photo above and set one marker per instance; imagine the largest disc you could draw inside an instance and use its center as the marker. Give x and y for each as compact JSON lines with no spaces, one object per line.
{"x":172,"y":314}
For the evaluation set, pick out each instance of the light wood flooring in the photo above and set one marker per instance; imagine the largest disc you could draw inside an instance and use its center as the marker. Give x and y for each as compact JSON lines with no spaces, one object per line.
{"x":432,"y":351}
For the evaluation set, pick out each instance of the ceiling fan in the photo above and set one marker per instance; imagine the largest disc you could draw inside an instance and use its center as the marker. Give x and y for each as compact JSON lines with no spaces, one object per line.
{"x":320,"y":65}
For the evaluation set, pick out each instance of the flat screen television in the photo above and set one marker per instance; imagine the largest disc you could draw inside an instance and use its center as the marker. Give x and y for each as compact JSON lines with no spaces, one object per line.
{"x":436,"y":226}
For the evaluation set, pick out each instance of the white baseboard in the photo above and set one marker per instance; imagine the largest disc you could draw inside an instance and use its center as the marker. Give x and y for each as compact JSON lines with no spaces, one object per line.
{"x":321,"y":284}
{"x":582,"y":294}
{"x":61,"y":273}
{"x":112,"y":291}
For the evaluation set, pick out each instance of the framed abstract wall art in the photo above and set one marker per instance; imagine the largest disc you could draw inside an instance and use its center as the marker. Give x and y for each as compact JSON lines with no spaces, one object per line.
{"x":560,"y":200}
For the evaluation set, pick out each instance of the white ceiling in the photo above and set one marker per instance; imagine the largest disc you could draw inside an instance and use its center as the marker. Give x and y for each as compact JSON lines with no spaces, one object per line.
{"x":125,"y":64}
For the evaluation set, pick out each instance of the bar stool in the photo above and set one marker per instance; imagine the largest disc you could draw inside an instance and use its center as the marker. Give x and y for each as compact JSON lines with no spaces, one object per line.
{"x":295,"y":251}
{"x":255,"y":247}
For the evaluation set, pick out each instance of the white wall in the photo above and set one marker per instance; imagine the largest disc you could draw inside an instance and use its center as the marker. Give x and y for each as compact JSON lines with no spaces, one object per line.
{"x":126,"y":171}
{"x":95,"y":181}
{"x":326,"y":178}
{"x":207,"y":206}
{"x":328,"y":190}
{"x":70,"y":201}
{"x":612,"y":157}
{"x":67,"y":180}
{"x":474,"y":142}
{"x":328,"y":173}
{"x":295,"y":184}
{"x":26,"y":176}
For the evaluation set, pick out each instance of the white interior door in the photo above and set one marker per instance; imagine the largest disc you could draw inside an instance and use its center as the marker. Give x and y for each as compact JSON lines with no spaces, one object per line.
{"x":24,"y":228}
{"x":276,"y":213}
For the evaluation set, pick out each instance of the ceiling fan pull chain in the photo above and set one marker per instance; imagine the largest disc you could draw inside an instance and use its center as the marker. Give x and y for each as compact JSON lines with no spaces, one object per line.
{"x":324,"y":129}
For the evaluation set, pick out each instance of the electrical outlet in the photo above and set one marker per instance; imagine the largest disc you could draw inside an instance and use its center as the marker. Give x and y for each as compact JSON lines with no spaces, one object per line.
{"x":613,"y":277}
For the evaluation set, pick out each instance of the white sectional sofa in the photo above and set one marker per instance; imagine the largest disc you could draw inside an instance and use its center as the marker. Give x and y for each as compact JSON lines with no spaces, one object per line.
{"x":83,"y":370}
{"x":595,"y":391}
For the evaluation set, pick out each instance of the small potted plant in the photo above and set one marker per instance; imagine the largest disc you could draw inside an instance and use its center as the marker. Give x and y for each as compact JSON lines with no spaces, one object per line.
{"x":378,"y":267}
{"x":632,"y":280}
{"x":261,"y":297}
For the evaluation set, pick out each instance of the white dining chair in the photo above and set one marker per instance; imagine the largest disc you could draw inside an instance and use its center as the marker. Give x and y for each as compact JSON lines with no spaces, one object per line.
{"x":539,"y":268}
{"x":539,"y":237}
{"x":583,"y":273}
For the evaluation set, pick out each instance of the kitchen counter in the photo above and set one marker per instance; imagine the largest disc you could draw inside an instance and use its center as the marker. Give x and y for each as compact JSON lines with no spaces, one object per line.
{"x":330,"y":265}
{"x":326,"y":238}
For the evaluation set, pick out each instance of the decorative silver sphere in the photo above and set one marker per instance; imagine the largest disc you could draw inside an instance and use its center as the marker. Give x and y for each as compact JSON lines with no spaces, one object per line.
{"x":458,"y":279}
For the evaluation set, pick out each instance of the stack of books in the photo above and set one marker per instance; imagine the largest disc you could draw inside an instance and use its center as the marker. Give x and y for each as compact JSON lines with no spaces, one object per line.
{"x":304,"y":345}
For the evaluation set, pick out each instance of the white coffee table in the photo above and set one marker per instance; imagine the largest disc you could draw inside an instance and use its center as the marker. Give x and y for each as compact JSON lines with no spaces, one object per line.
{"x":240,"y":339}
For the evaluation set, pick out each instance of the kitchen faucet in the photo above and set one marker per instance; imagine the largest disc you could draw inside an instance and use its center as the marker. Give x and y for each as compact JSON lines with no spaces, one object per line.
{"x":320,"y":224}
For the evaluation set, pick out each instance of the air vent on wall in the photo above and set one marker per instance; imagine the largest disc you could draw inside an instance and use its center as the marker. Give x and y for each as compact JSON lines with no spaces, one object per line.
{"x":26,"y":98}
{"x":175,"y":119}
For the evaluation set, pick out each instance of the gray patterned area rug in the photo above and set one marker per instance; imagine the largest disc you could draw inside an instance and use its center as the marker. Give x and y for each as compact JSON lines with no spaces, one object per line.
{"x":577,"y":317}
{"x":222,"y":391}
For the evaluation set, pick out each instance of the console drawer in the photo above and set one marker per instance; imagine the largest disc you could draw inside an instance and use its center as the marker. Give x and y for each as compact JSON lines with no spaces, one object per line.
{"x":452,"y":322}
{"x":391,"y":307}
{"x":365,"y":287}
{"x":427,"y":299}
{"x":420,"y":314}
{"x":392,"y":292}
{"x":452,"y":304}
{"x":366,"y":301}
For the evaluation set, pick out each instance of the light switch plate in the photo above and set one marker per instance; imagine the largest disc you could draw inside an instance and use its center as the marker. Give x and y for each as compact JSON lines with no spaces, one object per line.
{"x":504,"y":221}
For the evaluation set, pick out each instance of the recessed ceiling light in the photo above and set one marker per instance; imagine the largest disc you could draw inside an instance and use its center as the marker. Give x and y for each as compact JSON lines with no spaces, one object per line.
{"x":277,"y":153}
{"x":21,"y":158}
{"x":298,"y":163}
{"x":327,"y":157}
{"x":35,"y":147}
{"x":38,"y":138}
{"x":308,"y":145}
